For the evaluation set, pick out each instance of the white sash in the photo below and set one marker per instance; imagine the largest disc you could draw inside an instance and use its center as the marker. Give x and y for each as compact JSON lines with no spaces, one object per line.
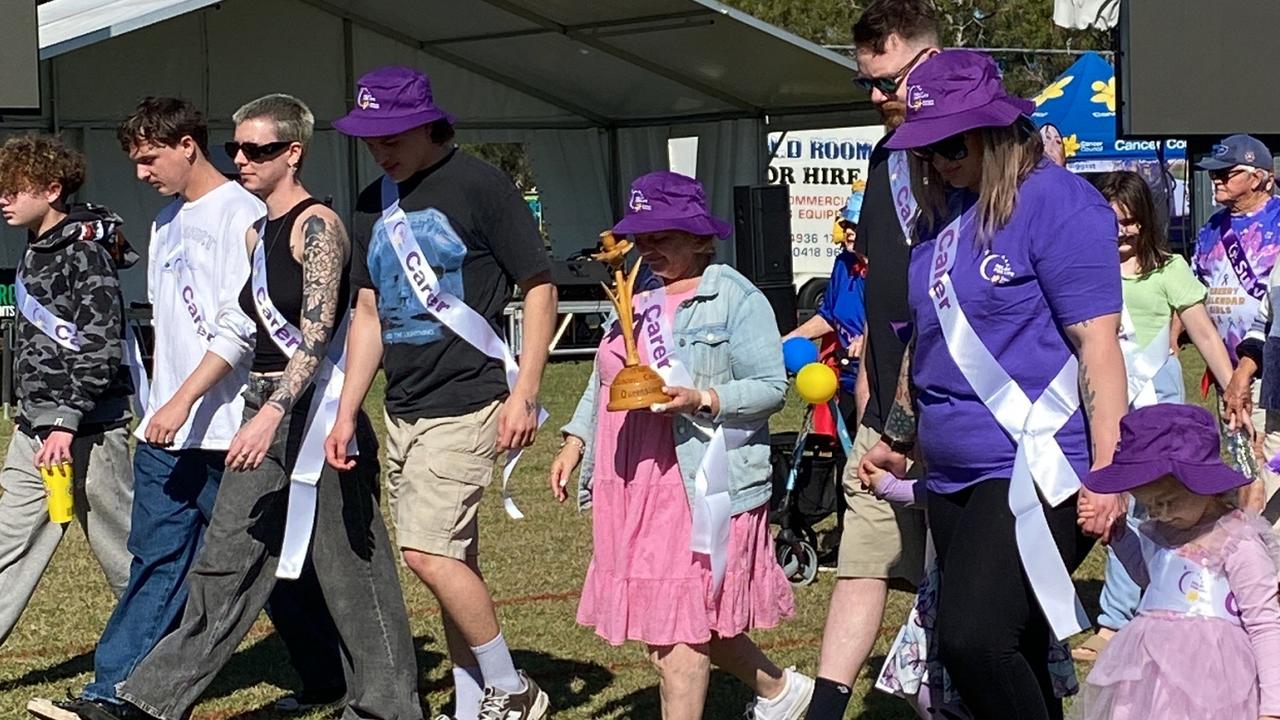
{"x":320,"y":418}
{"x":904,"y":202}
{"x":712,"y":505}
{"x":1179,"y":585}
{"x":67,"y":335}
{"x":450,"y":310}
{"x":177,"y":257}
{"x":1142,"y":363}
{"x":1039,"y":461}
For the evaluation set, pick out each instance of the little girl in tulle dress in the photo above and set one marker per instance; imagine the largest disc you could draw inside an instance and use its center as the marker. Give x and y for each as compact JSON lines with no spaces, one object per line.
{"x":1206,"y":642}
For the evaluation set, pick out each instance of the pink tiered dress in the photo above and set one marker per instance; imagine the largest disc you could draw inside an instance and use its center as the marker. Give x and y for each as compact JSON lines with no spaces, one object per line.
{"x":1215,"y":658}
{"x":644,"y":583}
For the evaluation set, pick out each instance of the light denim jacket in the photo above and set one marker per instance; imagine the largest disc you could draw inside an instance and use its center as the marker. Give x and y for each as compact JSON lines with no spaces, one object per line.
{"x":726,"y":336}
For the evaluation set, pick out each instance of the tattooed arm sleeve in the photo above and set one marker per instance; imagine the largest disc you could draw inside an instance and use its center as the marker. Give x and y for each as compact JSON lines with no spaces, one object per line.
{"x":900,"y":423}
{"x":325,"y":247}
{"x":1104,"y":391}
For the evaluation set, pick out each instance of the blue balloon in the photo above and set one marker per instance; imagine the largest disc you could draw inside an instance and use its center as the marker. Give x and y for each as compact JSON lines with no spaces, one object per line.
{"x":798,"y":352}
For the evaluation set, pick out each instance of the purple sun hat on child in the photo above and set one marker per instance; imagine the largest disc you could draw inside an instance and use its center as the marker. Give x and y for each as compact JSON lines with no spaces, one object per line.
{"x":955,"y":91}
{"x":669,"y":201}
{"x":1167,"y":439}
{"x":389,"y":101}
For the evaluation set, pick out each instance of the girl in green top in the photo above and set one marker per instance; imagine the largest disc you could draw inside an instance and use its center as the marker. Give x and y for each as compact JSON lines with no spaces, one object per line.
{"x":1157,"y":286}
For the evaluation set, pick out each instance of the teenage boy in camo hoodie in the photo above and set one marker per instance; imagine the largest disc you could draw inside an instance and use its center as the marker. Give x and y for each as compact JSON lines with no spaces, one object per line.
{"x":72,"y":388}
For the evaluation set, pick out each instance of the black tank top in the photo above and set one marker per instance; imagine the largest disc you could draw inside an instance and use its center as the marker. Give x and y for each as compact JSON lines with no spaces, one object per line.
{"x":284,"y":281}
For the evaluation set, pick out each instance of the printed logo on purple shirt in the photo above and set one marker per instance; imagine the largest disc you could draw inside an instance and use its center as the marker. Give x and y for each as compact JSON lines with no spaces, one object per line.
{"x":996,"y":269}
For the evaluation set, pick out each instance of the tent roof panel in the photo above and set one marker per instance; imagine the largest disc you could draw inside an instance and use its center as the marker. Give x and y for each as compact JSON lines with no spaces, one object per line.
{"x":594,"y":62}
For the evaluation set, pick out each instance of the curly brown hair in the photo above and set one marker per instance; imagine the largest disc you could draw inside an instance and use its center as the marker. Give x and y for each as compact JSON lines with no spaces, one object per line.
{"x":36,"y":162}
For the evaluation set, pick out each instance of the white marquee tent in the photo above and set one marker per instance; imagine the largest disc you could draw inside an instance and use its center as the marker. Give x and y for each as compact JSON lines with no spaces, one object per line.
{"x":593,"y":88}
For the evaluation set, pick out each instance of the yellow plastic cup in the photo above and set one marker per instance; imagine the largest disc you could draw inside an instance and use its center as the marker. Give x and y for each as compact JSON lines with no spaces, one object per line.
{"x":57,"y":484}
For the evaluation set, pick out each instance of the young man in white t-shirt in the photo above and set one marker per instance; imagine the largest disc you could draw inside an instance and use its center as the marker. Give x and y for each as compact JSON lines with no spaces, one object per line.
{"x":196,"y":268}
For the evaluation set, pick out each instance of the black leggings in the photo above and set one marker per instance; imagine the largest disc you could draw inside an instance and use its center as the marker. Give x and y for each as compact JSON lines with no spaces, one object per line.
{"x":992,"y":636}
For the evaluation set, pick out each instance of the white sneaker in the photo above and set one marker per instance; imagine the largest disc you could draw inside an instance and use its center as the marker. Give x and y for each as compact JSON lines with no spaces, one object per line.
{"x":791,"y":704}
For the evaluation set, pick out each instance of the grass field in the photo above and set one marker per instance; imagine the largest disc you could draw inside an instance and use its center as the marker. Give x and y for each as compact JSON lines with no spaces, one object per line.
{"x":535,"y":569}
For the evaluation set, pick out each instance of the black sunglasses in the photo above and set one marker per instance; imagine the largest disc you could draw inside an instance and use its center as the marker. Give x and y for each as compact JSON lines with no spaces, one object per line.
{"x":1225,"y":175}
{"x":890,"y":83}
{"x":254,"y":152}
{"x":952,"y":148}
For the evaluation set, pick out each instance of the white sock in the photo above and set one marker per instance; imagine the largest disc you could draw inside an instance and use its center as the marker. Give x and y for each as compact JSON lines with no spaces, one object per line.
{"x":468,"y":691}
{"x":496,"y":666}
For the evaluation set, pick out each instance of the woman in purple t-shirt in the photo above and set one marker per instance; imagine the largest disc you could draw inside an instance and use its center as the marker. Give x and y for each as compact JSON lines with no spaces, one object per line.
{"x":1019,"y":380}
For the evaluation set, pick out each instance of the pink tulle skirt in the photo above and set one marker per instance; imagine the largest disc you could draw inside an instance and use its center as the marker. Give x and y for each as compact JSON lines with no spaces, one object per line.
{"x":644,"y":583}
{"x":1173,"y":668}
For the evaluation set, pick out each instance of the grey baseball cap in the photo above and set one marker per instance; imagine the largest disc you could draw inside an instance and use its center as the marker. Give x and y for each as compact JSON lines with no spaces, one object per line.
{"x":1238,"y":150}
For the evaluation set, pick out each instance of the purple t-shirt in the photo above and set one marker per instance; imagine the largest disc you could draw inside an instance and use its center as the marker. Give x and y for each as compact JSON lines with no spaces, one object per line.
{"x":1054,"y":264}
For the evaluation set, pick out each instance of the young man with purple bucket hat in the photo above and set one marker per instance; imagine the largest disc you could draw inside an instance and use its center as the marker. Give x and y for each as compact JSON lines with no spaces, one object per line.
{"x":439,"y":242}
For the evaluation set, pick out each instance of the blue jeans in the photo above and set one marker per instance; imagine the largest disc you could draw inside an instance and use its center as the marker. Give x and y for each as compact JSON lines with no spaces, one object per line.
{"x":1120,"y":594}
{"x":173,"y":500}
{"x":174,"y":494}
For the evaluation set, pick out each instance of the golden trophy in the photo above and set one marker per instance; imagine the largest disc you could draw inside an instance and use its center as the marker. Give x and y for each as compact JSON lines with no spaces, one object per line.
{"x":636,"y":386}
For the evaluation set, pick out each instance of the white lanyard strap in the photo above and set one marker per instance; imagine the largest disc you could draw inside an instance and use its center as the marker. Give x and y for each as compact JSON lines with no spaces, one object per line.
{"x":1142,"y":363}
{"x":321,"y":415}
{"x":1039,"y":460}
{"x":450,"y":310}
{"x":712,"y":505}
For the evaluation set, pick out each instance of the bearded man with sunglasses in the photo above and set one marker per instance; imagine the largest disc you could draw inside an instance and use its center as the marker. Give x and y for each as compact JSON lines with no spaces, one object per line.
{"x":880,"y":543}
{"x":1235,"y":254}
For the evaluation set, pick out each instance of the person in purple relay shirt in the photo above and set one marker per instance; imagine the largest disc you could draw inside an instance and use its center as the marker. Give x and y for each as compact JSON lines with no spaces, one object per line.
{"x":1014,"y":273}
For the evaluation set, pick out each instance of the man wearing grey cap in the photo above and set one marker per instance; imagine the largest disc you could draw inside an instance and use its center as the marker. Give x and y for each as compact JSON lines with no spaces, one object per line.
{"x":1235,"y":253}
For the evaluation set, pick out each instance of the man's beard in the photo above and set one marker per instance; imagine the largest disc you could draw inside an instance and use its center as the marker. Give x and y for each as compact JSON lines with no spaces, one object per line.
{"x":894,"y":113}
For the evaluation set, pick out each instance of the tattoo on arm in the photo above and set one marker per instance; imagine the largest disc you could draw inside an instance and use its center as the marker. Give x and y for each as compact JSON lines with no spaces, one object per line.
{"x":325,"y":246}
{"x":1087,"y":395}
{"x":900,"y":424}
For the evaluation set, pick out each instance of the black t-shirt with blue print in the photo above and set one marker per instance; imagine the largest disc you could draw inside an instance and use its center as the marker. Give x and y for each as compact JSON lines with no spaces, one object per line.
{"x":481,"y":242}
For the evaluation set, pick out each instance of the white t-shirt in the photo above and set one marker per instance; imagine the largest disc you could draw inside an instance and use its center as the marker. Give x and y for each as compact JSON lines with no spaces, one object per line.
{"x":209,"y":233}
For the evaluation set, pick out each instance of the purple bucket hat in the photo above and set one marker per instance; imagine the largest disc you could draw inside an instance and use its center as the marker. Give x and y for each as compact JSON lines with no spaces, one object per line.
{"x":951,"y":92}
{"x":669,"y":201}
{"x":1168,"y":439}
{"x":389,"y":101}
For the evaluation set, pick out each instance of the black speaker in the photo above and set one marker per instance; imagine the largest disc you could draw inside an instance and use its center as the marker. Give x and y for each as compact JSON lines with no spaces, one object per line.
{"x":762,"y":239}
{"x":1191,"y":67}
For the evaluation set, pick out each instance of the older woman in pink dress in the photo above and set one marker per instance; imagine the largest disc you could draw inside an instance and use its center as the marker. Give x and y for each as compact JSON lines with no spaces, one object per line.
{"x":645,"y":582}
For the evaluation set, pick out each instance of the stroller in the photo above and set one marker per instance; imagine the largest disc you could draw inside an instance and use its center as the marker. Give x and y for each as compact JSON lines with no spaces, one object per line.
{"x":807,"y":467}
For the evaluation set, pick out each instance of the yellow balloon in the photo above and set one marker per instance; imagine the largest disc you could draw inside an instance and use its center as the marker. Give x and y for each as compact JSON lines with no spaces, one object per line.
{"x":816,"y":383}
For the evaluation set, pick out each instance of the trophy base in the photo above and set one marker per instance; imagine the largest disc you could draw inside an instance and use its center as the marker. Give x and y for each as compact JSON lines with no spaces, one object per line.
{"x":636,"y":387}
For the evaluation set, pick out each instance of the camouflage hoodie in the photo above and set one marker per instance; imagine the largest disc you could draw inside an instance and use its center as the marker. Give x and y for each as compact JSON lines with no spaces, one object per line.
{"x":72,"y":270}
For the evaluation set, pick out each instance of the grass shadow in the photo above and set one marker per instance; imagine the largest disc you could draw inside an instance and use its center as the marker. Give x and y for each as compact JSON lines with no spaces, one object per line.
{"x":64,"y":670}
{"x":265,"y":661}
{"x":726,"y":698}
{"x":568,"y":683}
{"x":1090,"y":592}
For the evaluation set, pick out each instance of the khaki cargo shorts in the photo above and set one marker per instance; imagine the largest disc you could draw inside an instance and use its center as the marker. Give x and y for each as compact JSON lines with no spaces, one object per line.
{"x":879,"y":540}
{"x":437,"y":470}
